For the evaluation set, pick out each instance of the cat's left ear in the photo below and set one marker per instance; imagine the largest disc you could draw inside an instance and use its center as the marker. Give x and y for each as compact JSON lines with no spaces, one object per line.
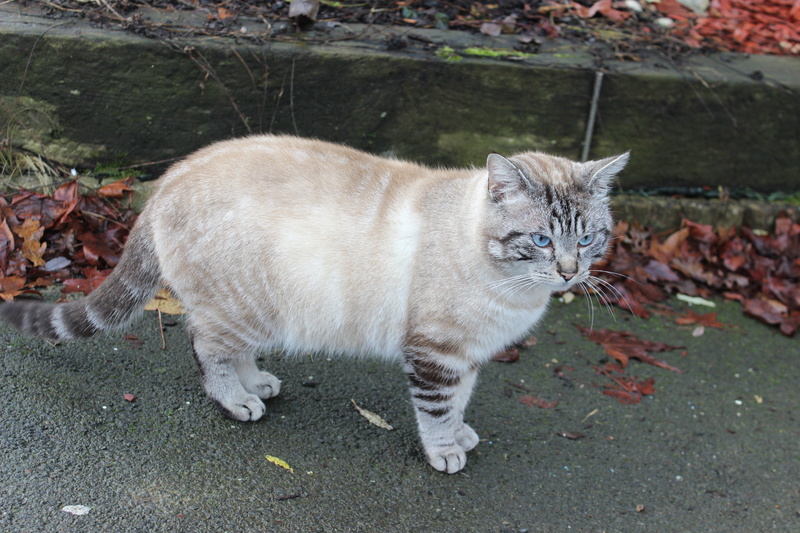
{"x":603,"y":172}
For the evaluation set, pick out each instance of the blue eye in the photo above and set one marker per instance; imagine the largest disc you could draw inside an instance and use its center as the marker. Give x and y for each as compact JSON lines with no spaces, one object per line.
{"x":586,"y":240}
{"x":540,"y":240}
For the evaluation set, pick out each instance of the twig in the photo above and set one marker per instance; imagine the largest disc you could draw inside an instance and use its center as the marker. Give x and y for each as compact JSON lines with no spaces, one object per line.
{"x":587,"y":141}
{"x":291,"y":99}
{"x":205,"y":66}
{"x":161,"y":330}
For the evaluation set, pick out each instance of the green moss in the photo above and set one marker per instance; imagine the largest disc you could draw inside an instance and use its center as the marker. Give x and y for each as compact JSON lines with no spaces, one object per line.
{"x":497,"y":53}
{"x":448,"y":54}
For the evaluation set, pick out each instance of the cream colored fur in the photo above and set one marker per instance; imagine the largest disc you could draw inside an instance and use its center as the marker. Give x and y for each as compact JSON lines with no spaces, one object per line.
{"x":281,"y":242}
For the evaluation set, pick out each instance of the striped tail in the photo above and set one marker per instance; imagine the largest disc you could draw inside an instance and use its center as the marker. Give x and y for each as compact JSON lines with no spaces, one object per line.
{"x":120,"y":298}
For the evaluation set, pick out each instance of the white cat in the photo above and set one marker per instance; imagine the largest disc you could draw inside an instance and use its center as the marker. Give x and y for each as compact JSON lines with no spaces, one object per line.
{"x":280,"y":242}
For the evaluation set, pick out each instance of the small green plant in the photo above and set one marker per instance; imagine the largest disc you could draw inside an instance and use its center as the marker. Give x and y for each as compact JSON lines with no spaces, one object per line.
{"x":448,"y":54}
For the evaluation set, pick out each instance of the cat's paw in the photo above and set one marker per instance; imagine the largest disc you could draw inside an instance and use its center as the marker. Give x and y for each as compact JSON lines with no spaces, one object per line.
{"x":449,"y":459}
{"x":466,"y":438}
{"x":262,"y":384}
{"x":245,"y":408}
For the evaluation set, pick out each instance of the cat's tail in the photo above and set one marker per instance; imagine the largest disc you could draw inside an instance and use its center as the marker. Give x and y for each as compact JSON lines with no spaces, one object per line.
{"x":116,"y":302}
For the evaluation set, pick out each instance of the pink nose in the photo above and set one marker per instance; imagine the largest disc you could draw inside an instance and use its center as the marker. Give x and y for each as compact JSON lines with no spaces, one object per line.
{"x":567,"y":275}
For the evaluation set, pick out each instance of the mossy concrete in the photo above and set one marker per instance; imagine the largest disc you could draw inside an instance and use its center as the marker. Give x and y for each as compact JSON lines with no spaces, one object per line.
{"x":662,"y":214}
{"x":724,"y":120}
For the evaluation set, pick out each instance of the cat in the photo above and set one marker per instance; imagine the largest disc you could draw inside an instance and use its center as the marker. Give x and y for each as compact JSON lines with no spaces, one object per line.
{"x":281,"y":242}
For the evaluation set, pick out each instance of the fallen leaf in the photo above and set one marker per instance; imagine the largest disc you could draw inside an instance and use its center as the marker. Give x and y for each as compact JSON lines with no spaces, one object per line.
{"x":372,"y":417}
{"x":32,"y":249}
{"x":166,"y":303}
{"x":133,"y":340}
{"x":280,"y":462}
{"x":304,"y":8}
{"x":491,"y":29}
{"x":571,"y":435}
{"x":695,"y":300}
{"x":11,"y":286}
{"x":77,"y":510}
{"x":623,"y":345}
{"x":118,"y":189}
{"x":223,"y":14}
{"x":533,"y":401}
{"x":509,"y":355}
{"x":703,"y":319}
{"x":767,"y":310}
{"x":129,"y":397}
{"x":94,"y":278}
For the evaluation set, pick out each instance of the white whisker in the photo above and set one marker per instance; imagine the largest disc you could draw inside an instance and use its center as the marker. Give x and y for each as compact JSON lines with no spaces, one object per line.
{"x":615,"y":291}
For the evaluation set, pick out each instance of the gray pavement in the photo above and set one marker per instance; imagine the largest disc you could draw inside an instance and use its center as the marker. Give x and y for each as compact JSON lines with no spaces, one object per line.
{"x":715,"y":449}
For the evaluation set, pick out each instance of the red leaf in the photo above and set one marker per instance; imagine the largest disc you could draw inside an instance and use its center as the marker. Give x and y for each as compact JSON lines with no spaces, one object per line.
{"x":624,"y":397}
{"x":129,"y":397}
{"x":509,"y":355}
{"x":68,"y":194}
{"x":623,"y":345}
{"x":532,"y":401}
{"x":94,"y":248}
{"x":768,"y":311}
{"x":703,"y":319}
{"x":93,"y":280}
{"x":665,"y":251}
{"x":790,"y":324}
{"x":118,"y":188}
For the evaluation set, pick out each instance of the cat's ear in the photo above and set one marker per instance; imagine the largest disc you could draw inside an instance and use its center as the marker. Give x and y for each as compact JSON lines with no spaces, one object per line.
{"x":505,"y":178}
{"x":602,"y":172}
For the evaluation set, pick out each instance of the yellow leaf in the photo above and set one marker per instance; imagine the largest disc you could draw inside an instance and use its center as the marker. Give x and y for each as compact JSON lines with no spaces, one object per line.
{"x":32,"y":249}
{"x":280,"y":462}
{"x":166,"y":303}
{"x":372,"y":417}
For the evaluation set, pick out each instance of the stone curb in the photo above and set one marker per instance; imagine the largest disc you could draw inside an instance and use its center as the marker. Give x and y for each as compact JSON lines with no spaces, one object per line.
{"x":79,"y":94}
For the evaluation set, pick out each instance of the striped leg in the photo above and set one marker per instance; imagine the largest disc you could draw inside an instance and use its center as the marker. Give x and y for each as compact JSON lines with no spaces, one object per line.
{"x":441,"y":385}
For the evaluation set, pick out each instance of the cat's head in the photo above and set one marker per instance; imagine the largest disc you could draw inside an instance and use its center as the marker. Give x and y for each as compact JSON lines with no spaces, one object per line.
{"x":548,"y":218}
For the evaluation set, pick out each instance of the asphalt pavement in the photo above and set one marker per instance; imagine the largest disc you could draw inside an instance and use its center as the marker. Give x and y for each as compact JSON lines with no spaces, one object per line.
{"x":714,"y":449}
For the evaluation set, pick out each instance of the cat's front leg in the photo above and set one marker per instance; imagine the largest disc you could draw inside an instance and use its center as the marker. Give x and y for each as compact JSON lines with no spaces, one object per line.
{"x":441,"y":385}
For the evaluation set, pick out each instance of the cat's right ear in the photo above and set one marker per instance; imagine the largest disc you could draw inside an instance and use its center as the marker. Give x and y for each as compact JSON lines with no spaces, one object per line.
{"x":505,"y":179}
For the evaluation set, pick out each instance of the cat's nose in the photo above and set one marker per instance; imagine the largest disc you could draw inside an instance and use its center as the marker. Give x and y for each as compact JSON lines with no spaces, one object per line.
{"x":567,"y":275}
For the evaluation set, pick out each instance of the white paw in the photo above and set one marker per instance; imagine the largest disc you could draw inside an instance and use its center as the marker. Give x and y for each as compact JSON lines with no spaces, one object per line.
{"x":246,"y":408}
{"x":262,"y":384}
{"x":450,"y":459}
{"x":466,"y":437}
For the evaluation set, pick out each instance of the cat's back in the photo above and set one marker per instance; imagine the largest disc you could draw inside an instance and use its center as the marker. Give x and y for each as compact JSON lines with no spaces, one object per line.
{"x":276,"y":166}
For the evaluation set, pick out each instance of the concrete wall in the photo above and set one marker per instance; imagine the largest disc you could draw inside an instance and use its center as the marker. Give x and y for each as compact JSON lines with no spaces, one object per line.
{"x":82,"y":94}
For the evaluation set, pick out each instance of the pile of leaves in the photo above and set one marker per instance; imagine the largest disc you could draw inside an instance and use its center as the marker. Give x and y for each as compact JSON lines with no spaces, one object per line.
{"x":760,"y":270}
{"x":752,"y":26}
{"x":749,"y":26}
{"x":67,"y":237}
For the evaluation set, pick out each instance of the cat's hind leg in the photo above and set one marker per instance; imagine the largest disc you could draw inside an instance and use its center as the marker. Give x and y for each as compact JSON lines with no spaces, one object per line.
{"x":262,"y":384}
{"x":224,"y":359}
